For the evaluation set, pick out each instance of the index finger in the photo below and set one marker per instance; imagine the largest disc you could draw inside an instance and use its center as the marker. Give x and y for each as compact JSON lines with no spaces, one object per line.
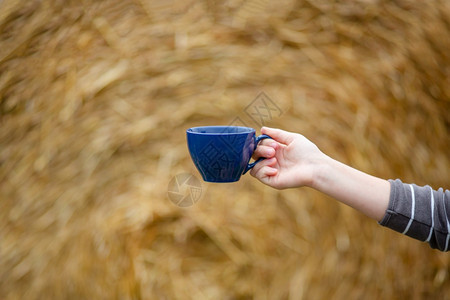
{"x":263,"y":151}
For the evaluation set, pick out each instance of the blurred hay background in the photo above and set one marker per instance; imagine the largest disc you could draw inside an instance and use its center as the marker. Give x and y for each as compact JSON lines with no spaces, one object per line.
{"x":95,"y":97}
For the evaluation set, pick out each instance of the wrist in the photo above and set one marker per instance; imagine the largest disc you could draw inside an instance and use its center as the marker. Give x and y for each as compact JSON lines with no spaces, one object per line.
{"x":321,"y":172}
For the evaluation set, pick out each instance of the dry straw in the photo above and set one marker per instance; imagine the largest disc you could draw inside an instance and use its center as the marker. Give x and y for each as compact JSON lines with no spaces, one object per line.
{"x":95,"y":97}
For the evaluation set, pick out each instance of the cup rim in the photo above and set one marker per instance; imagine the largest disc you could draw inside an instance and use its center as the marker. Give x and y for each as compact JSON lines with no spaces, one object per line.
{"x":246,"y":130}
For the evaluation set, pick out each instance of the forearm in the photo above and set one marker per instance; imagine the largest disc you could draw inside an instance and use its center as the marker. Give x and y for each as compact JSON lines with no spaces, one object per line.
{"x":363,"y":192}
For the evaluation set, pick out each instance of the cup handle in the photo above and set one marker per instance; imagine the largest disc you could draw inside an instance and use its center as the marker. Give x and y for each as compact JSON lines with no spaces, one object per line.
{"x":257,"y":140}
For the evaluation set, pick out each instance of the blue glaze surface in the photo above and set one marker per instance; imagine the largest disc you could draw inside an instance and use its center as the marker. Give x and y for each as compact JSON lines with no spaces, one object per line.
{"x":222,"y":153}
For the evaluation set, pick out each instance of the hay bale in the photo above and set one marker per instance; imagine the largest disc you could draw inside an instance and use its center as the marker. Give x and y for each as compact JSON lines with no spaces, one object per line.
{"x":95,"y":98}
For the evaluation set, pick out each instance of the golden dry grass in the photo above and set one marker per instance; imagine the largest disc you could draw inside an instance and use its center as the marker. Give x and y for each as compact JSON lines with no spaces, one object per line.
{"x":95,"y":98}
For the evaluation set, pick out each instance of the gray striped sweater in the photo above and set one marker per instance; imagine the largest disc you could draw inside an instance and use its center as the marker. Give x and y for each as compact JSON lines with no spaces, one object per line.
{"x":419,"y":212}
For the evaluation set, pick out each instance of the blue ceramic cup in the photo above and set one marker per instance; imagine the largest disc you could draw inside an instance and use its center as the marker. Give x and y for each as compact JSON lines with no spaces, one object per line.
{"x":222,"y":153}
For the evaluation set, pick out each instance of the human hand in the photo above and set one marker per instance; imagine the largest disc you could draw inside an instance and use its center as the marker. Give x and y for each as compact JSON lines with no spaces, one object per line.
{"x":291,"y":159}
{"x":294,"y":161}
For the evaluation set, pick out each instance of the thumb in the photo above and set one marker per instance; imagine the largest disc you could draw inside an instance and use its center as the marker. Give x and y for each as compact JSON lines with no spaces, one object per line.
{"x":279,"y":135}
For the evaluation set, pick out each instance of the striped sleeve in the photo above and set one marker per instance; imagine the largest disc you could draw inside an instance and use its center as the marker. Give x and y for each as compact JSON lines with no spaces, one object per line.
{"x":419,"y":212}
